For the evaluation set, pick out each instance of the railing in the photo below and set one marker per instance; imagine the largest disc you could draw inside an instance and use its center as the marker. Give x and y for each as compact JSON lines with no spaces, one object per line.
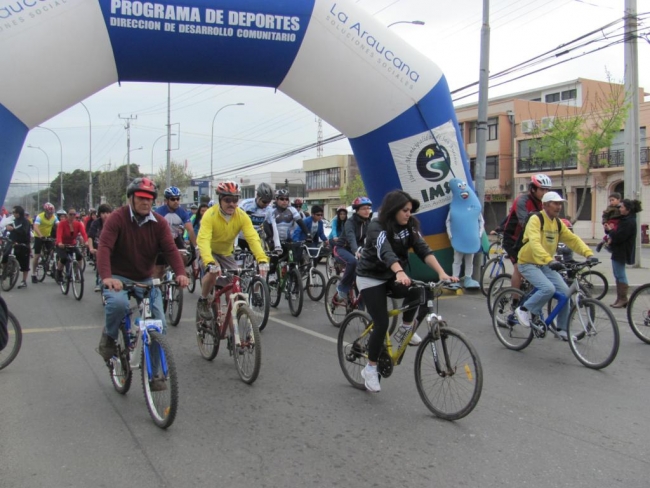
{"x":528,"y":165}
{"x":616,"y":158}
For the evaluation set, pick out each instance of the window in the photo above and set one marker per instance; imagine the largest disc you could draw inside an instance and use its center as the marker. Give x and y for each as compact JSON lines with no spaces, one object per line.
{"x":472,"y":132}
{"x":535,"y":99}
{"x":493,"y":129}
{"x":552,"y":97}
{"x":324,"y":179}
{"x":569,"y":94}
{"x":491,"y":167}
{"x":461,"y":127}
{"x":586,"y":209}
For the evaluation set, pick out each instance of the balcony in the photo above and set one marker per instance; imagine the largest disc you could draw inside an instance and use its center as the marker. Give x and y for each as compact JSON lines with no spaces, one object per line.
{"x":616,"y":158}
{"x":529,"y":165}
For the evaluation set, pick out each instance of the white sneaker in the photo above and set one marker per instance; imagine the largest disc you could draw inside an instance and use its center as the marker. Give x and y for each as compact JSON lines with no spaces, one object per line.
{"x":415,"y":340}
{"x":565,"y":337}
{"x":372,"y":379}
{"x":523,"y":316}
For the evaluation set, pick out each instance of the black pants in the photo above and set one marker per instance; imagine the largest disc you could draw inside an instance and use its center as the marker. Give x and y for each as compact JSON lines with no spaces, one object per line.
{"x":21,"y":253}
{"x":376,"y":302}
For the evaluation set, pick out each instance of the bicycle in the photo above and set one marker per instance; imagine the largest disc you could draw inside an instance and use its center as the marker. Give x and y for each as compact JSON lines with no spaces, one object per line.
{"x":287,"y":279}
{"x":638,"y":312}
{"x":11,"y":350}
{"x":334,"y":266}
{"x":314,"y":280}
{"x":233,"y":321}
{"x":592,"y":329}
{"x":173,"y":294}
{"x":496,"y":248}
{"x":72,"y":274}
{"x":45,"y":260}
{"x":491,"y":269}
{"x":140,"y":347}
{"x":448,"y":371}
{"x":9,"y":271}
{"x":259,"y":299}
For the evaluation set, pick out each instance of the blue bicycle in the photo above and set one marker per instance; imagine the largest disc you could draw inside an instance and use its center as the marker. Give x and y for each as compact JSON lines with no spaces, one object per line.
{"x":141,"y":344}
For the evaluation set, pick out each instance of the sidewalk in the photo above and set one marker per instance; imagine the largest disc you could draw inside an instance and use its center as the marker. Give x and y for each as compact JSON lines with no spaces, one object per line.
{"x":635,"y":276}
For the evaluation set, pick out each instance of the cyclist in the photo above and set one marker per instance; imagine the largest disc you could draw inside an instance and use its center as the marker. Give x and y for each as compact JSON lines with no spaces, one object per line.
{"x":380,"y":271}
{"x":257,"y":209}
{"x":315,"y":225}
{"x":19,"y":232}
{"x":94,"y":233}
{"x":128,"y":245}
{"x":194,"y":208}
{"x":67,"y":232}
{"x":338,"y":224}
{"x":42,"y":229}
{"x":537,"y":265}
{"x":521,"y":207}
{"x":179,"y":220}
{"x":297,"y":204}
{"x":349,"y":244}
{"x":220,"y":226}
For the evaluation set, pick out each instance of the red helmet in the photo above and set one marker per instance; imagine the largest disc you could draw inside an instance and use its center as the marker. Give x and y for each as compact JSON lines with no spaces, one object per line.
{"x":567,"y":223}
{"x":142,"y":187}
{"x":228,"y":188}
{"x":298,"y":201}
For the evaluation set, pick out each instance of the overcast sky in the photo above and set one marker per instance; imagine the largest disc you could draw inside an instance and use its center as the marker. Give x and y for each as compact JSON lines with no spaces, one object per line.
{"x":271,"y":123}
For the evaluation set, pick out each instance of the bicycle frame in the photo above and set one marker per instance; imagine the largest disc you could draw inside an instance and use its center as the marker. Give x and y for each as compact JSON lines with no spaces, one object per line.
{"x":236,"y":299}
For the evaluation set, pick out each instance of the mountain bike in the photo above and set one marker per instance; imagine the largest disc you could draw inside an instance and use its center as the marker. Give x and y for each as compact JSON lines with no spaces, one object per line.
{"x":173,"y":294}
{"x":287,"y":280}
{"x":45,"y":260}
{"x":313,"y":279}
{"x":72,"y":275}
{"x":448,"y":371}
{"x":592,"y":330}
{"x":259,"y":299}
{"x":9,"y":271}
{"x":638,"y":312}
{"x":141,"y":344}
{"x":233,"y":321}
{"x":11,"y":350}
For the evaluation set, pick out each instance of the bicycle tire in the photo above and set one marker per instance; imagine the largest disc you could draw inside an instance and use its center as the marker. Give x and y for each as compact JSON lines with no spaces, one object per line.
{"x":638,"y":312}
{"x":175,"y":306}
{"x":259,"y":301}
{"x":65,"y":279}
{"x":207,"y":337}
{"x":83,"y":263}
{"x":42,"y":268}
{"x":77,"y":281}
{"x":491,"y":270}
{"x":191,"y":286}
{"x":601,"y":329}
{"x":162,"y":405}
{"x":331,"y":266}
{"x":275,"y":290}
{"x":453,"y":393}
{"x":351,"y":346}
{"x":11,"y":350}
{"x":496,"y":285}
{"x":495,"y":249}
{"x":120,"y":370}
{"x":510,"y":333}
{"x":248,"y":356}
{"x":295,"y":292}
{"x":595,"y":283}
{"x":315,"y":284}
{"x":10,"y":273}
{"x":336,"y":313}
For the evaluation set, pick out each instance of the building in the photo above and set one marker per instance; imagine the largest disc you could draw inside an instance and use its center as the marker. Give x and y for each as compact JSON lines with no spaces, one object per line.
{"x":326,"y":177}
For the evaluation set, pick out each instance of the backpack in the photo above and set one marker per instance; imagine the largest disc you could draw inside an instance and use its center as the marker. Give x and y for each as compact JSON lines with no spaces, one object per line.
{"x":519,"y":243}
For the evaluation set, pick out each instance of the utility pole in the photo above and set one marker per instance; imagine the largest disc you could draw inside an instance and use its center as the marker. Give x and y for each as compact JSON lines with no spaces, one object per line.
{"x":128,"y":146}
{"x":319,"y":146}
{"x":169,"y":137}
{"x":632,"y":169}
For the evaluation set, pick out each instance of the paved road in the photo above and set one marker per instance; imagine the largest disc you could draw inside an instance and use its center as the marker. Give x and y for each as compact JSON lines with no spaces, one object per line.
{"x":543,"y":419}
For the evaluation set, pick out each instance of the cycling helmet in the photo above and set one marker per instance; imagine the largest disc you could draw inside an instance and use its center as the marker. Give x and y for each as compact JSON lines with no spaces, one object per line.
{"x":172,"y":191}
{"x":194,"y":206}
{"x":210,"y":203}
{"x":540,"y":181}
{"x":142,"y":187}
{"x":342,"y":208}
{"x":61,"y":212}
{"x":282,"y":192}
{"x":265,"y":192}
{"x":48,"y":207}
{"x":360,"y":202}
{"x":567,"y":223}
{"x":228,"y":188}
{"x":297,"y":201}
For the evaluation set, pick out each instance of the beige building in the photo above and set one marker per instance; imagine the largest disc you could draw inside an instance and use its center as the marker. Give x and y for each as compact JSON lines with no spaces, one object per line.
{"x":325,"y":177}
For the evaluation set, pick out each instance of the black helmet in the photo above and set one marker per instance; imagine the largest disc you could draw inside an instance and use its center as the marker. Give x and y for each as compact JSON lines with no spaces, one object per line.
{"x":265,"y":192}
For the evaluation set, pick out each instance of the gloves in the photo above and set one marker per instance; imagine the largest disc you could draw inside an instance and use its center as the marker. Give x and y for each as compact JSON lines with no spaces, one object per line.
{"x":556,"y":266}
{"x":592,"y":260}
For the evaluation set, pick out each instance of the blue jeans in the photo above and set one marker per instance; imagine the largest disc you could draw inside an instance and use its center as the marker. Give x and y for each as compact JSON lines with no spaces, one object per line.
{"x":618,"y":269}
{"x":547,"y":283}
{"x":350,"y":272}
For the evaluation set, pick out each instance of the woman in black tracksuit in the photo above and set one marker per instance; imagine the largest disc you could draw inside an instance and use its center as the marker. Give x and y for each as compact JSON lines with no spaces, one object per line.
{"x":381,"y":270}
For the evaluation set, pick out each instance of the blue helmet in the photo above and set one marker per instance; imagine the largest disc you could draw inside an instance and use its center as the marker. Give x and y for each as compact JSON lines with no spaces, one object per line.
{"x":172,"y":191}
{"x":360,"y":202}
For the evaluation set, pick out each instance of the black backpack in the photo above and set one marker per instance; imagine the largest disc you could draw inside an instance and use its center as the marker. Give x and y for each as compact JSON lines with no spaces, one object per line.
{"x":519,"y":243}
{"x":4,"y":318}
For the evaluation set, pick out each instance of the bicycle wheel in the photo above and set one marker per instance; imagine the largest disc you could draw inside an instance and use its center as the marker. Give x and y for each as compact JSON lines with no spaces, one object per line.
{"x":593,"y":334}
{"x":175,"y":305}
{"x":77,"y":281}
{"x":275,"y":293}
{"x":207,"y":337}
{"x":594,"y":283}
{"x":162,"y":404}
{"x":448,"y":374}
{"x":83,"y":262}
{"x":295,"y":293}
{"x":65,"y":279}
{"x":11,"y":350}
{"x":352,"y":345}
{"x":191,"y":286}
{"x":496,"y":285}
{"x":248,"y":355}
{"x":392,"y":305}
{"x":331,"y":267}
{"x":335,"y":310}
{"x":509,"y":331}
{"x":638,"y":313}
{"x":42,"y":268}
{"x":120,"y":370}
{"x":491,"y":270}
{"x":51,"y":267}
{"x":259,"y":301}
{"x":495,"y":249}
{"x":10,"y":274}
{"x":315,"y":284}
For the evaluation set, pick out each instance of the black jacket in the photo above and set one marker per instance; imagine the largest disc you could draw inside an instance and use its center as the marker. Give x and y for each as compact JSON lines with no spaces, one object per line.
{"x":21,"y":232}
{"x":354,"y":233}
{"x":623,"y":240}
{"x":379,"y":253}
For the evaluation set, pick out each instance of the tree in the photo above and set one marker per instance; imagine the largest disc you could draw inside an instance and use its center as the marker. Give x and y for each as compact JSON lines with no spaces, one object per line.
{"x":355,"y":188}
{"x":180,"y":176}
{"x":112,"y":184}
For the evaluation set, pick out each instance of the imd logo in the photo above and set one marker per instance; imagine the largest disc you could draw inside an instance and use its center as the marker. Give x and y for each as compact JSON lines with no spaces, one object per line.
{"x":433,"y":163}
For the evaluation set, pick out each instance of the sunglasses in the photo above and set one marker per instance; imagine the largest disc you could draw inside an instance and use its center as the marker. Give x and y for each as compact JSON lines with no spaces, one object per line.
{"x":72,"y":214}
{"x":265,"y":202}
{"x":174,"y":199}
{"x":318,"y":215}
{"x":230,"y":200}
{"x":283,"y":199}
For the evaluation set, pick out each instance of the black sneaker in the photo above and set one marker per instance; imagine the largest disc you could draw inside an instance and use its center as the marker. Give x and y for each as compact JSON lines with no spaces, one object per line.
{"x":34,"y":279}
{"x":158,"y":383}
{"x":22,"y":285}
{"x":107,"y":347}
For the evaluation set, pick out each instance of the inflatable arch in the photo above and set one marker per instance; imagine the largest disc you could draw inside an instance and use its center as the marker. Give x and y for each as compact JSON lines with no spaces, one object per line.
{"x":334,"y":58}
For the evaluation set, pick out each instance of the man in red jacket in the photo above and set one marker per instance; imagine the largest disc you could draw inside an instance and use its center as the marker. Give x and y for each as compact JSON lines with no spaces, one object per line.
{"x":66,"y":235}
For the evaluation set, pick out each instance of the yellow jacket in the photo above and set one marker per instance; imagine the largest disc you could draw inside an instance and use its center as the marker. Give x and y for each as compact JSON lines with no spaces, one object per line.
{"x":217,"y":236}
{"x":539,"y":246}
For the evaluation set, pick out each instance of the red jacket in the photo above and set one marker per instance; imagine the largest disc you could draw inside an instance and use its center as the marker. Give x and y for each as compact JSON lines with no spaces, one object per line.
{"x":67,"y":237}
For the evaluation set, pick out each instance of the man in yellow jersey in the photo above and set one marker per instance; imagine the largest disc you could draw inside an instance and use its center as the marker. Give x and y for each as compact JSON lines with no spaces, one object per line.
{"x":43,"y":229}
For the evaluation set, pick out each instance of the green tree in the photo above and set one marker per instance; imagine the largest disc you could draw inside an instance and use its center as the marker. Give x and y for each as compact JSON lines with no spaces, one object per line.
{"x":112,"y":184}
{"x":180,"y":176}
{"x":355,"y":188}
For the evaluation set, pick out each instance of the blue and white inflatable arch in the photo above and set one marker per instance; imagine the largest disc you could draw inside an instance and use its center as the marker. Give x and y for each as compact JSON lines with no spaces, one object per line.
{"x":329,"y":55}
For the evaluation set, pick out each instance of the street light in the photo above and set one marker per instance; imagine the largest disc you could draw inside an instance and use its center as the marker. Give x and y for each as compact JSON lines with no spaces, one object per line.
{"x":212,"y":140}
{"x":90,"y":157}
{"x":61,"y":146}
{"x":48,"y":168}
{"x":30,"y":185}
{"x":38,"y":186}
{"x":414,"y":22}
{"x":154,"y":145}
